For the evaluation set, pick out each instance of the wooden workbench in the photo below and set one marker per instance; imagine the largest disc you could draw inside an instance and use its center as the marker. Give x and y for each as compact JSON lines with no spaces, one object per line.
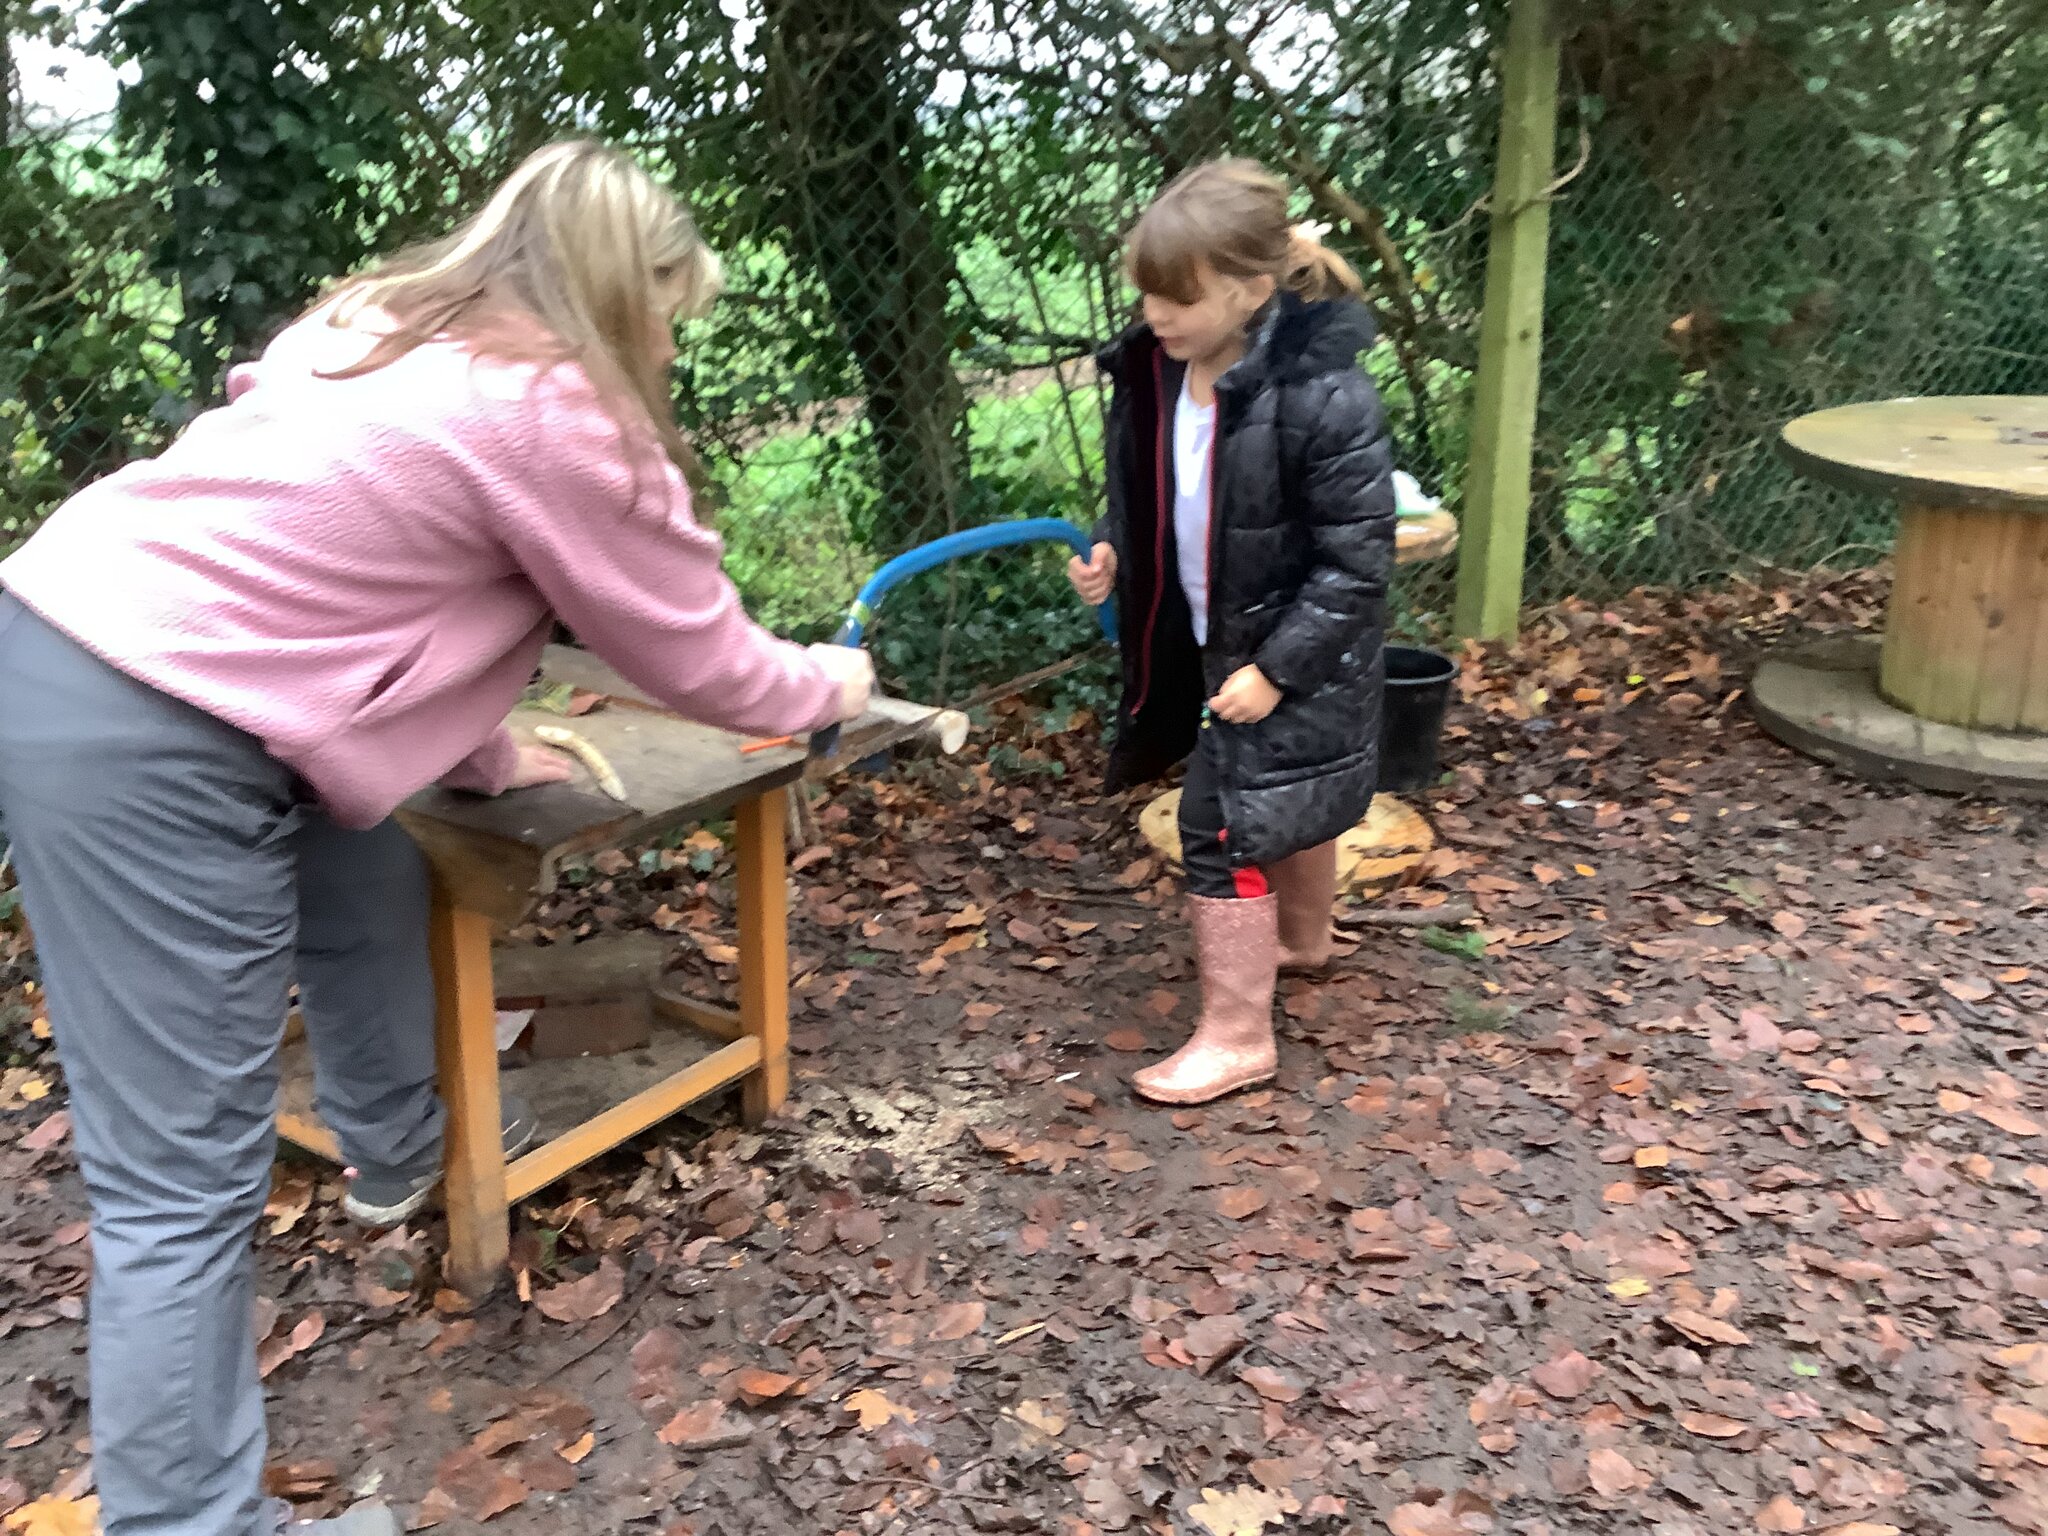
{"x":491,"y":858}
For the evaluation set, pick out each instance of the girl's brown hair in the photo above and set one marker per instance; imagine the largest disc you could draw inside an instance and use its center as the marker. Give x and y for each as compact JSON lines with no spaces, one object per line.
{"x":1230,"y":216}
{"x":579,"y":239}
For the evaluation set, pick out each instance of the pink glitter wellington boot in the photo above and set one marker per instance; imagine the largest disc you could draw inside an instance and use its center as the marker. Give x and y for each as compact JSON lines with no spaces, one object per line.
{"x":1306,"y":883}
{"x":1237,"y":944}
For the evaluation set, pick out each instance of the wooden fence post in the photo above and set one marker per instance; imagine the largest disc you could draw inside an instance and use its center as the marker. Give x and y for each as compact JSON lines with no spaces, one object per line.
{"x":1495,"y":535}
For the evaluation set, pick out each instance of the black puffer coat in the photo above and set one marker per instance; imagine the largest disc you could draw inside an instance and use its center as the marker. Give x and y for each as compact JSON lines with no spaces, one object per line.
{"x":1300,"y":551}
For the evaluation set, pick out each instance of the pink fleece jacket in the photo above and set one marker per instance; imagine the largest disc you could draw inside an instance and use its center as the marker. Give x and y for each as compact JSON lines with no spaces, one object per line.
{"x":361,"y":572}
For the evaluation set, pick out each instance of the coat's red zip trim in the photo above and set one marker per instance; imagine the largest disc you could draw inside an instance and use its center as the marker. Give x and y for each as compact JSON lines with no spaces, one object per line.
{"x":1160,"y":433}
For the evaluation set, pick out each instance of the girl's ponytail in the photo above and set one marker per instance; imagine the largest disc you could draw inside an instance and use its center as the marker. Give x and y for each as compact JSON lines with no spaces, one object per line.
{"x":1314,"y":271}
{"x":1231,"y":216}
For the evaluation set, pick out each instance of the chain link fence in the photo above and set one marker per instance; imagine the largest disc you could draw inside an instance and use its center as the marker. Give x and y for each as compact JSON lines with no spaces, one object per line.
{"x":920,"y":208}
{"x":1748,"y":236}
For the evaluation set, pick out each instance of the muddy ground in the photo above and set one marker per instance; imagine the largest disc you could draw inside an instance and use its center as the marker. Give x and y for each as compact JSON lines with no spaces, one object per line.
{"x":1692,"y":1185}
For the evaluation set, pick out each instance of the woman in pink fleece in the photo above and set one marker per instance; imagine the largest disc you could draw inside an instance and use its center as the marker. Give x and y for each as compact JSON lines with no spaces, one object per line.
{"x":222,"y":669}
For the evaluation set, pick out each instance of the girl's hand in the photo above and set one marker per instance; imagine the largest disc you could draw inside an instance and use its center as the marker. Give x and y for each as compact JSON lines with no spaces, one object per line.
{"x":854,"y":671}
{"x":1245,"y":698}
{"x":1096,"y":579}
{"x":539,"y":765}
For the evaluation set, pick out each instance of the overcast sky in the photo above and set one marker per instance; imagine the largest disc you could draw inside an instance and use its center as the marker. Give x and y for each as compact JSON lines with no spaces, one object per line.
{"x":66,"y":85}
{"x":62,"y":85}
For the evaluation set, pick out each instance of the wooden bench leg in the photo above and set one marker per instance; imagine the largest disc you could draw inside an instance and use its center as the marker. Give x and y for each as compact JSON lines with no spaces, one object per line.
{"x":466,"y":1043}
{"x":764,"y":950}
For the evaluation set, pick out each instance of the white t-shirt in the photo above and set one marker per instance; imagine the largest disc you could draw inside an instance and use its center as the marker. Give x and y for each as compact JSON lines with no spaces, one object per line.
{"x":1194,"y":434}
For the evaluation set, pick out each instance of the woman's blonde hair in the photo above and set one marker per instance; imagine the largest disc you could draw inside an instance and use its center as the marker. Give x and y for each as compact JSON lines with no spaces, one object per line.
{"x":582,"y":241}
{"x":1230,"y":216}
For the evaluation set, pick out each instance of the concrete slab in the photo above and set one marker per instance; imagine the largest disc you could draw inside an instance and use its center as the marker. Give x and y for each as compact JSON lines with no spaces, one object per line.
{"x":1823,"y":699}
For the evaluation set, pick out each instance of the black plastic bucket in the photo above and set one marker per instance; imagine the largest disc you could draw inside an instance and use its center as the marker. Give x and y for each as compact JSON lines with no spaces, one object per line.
{"x":1412,"y":716}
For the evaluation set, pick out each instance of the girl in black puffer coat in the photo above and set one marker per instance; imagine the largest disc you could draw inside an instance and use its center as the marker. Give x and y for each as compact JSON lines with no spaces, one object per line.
{"x":1249,"y":540}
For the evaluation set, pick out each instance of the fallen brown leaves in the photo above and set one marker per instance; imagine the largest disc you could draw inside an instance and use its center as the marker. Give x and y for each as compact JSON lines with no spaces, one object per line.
{"x":51,"y":1132}
{"x":534,"y":1448}
{"x":274,"y":1349}
{"x":582,"y":1301}
{"x":874,"y":1409}
{"x":1244,"y":1511}
{"x":1715,"y":1426}
{"x":1692,"y":1181}
{"x":474,"y":1486}
{"x":1463,"y":1514}
{"x":55,"y":1517}
{"x":757,"y":1386}
{"x":1272,"y":1385}
{"x":1566,"y":1376}
{"x":1702,"y":1329}
{"x":1780,"y":1515}
{"x":1241,"y":1202}
{"x":1613,"y":1474}
{"x":1211,"y":1340}
{"x":702,"y":1427}
{"x":299,"y":1481}
{"x":957,"y":1321}
{"x":2029,"y":1426}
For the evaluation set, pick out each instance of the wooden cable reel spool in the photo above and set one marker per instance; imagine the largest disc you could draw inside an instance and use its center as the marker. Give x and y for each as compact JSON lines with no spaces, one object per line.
{"x":1373,"y":858}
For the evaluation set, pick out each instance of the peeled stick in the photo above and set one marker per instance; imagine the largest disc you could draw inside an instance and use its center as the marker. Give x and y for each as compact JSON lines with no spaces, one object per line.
{"x":588,"y":755}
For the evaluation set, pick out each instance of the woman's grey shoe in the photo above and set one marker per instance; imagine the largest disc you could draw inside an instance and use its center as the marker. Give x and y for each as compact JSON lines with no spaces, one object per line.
{"x":384,"y":1197}
{"x":363,"y":1520}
